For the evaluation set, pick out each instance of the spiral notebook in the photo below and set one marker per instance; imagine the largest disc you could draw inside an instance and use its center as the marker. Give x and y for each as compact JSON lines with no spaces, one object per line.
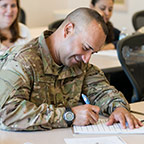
{"x":102,"y":128}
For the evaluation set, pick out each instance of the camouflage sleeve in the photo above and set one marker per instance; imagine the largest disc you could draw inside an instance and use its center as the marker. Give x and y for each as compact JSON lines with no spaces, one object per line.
{"x":17,"y":112}
{"x":101,"y":93}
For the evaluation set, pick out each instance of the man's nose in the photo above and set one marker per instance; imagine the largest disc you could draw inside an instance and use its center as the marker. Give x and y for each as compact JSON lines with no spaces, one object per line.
{"x":86,"y":57}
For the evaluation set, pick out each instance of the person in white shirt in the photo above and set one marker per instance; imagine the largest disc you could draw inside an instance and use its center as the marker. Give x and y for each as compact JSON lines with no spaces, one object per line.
{"x":12,"y":32}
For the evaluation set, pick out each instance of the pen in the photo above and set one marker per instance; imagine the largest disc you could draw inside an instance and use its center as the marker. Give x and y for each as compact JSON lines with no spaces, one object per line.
{"x":127,"y":123}
{"x":85,"y":98}
{"x":142,"y":121}
{"x":136,"y":112}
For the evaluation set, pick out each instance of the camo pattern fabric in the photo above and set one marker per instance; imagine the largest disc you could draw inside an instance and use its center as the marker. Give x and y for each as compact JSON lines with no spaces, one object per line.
{"x":34,"y":90}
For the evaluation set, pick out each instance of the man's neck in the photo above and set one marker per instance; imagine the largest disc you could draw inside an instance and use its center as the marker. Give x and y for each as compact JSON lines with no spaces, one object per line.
{"x":50,"y":41}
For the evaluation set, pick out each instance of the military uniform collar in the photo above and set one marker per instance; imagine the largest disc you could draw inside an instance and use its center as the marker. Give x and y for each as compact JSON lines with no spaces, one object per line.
{"x":50,"y":67}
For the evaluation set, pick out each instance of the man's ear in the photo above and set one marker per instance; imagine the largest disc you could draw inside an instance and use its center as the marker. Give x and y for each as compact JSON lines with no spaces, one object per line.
{"x":68,"y":29}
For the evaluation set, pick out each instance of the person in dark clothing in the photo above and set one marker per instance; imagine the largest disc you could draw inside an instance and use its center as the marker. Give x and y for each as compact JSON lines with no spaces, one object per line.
{"x":105,"y":8}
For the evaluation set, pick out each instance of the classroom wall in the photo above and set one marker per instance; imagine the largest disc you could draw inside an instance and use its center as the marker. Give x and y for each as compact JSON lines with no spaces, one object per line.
{"x":41,"y":12}
{"x":121,"y":19}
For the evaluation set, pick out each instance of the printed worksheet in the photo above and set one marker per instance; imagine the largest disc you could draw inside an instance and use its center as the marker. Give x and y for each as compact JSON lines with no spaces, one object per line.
{"x":98,"y":140}
{"x":102,"y":128}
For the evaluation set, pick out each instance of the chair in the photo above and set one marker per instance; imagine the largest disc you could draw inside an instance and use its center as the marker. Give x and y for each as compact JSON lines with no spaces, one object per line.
{"x":54,"y":25}
{"x":138,"y":20}
{"x":131,"y":55}
{"x":22,"y":16}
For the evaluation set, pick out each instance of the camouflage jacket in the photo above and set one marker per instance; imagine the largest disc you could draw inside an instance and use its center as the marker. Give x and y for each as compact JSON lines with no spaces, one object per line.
{"x":34,"y":90}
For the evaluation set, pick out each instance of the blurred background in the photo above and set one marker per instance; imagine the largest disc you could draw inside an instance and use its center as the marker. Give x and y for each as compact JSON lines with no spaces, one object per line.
{"x":43,"y":12}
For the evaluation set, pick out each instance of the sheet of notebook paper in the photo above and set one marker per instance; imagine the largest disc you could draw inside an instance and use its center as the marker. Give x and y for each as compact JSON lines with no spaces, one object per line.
{"x":102,"y":128}
{"x":98,"y":140}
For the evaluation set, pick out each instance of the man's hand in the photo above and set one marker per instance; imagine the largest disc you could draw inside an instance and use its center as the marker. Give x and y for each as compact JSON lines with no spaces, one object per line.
{"x":86,"y":114}
{"x":123,"y":116}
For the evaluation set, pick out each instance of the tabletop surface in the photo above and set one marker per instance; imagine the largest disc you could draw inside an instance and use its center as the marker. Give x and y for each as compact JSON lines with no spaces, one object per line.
{"x":105,"y":59}
{"x":56,"y":136}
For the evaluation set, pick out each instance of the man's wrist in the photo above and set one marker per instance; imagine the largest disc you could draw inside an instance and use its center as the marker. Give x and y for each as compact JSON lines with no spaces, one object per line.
{"x":68,"y":116}
{"x":120,"y":106}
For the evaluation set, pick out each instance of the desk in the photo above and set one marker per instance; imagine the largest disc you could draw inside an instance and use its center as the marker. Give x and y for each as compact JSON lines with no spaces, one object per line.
{"x":56,"y":136}
{"x":107,"y":59}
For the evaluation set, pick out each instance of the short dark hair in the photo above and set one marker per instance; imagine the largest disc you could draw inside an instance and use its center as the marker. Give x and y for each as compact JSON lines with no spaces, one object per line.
{"x":93,"y":2}
{"x":84,"y":16}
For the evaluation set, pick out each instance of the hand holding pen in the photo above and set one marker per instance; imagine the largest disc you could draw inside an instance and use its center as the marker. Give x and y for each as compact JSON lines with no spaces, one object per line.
{"x":125,"y":124}
{"x":86,"y":114}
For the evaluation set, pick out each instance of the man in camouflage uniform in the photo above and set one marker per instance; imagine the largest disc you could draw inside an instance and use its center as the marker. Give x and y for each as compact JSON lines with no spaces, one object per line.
{"x":43,"y":79}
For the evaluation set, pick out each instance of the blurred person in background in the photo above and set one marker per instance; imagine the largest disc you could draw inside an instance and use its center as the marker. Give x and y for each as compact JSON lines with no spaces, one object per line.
{"x":105,"y":8}
{"x":12,"y":32}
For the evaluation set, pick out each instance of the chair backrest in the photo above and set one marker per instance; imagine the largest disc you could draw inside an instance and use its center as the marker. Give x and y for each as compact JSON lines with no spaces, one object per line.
{"x":138,"y":20}
{"x":22,"y":16}
{"x":54,"y":25}
{"x":131,"y":55}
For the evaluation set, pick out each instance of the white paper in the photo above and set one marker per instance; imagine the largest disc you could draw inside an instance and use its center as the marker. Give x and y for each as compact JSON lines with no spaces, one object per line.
{"x":98,"y":140}
{"x":107,"y":53}
{"x":102,"y":128}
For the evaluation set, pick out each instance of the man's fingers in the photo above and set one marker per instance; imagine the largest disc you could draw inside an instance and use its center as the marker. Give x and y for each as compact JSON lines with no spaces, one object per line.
{"x":134,"y":123}
{"x":125,"y":118}
{"x":92,"y":121}
{"x":94,"y":116}
{"x":123,"y":122}
{"x":95,"y":109}
{"x":86,"y":114}
{"x":111,"y":120}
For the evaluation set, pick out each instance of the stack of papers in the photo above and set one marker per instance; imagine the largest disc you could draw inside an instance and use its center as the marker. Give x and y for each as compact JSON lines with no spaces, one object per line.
{"x":102,"y":128}
{"x":99,"y":140}
{"x":107,"y":53}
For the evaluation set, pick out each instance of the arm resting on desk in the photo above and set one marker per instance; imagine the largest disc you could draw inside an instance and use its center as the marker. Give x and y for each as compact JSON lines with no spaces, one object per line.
{"x":27,"y":107}
{"x":100,"y":93}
